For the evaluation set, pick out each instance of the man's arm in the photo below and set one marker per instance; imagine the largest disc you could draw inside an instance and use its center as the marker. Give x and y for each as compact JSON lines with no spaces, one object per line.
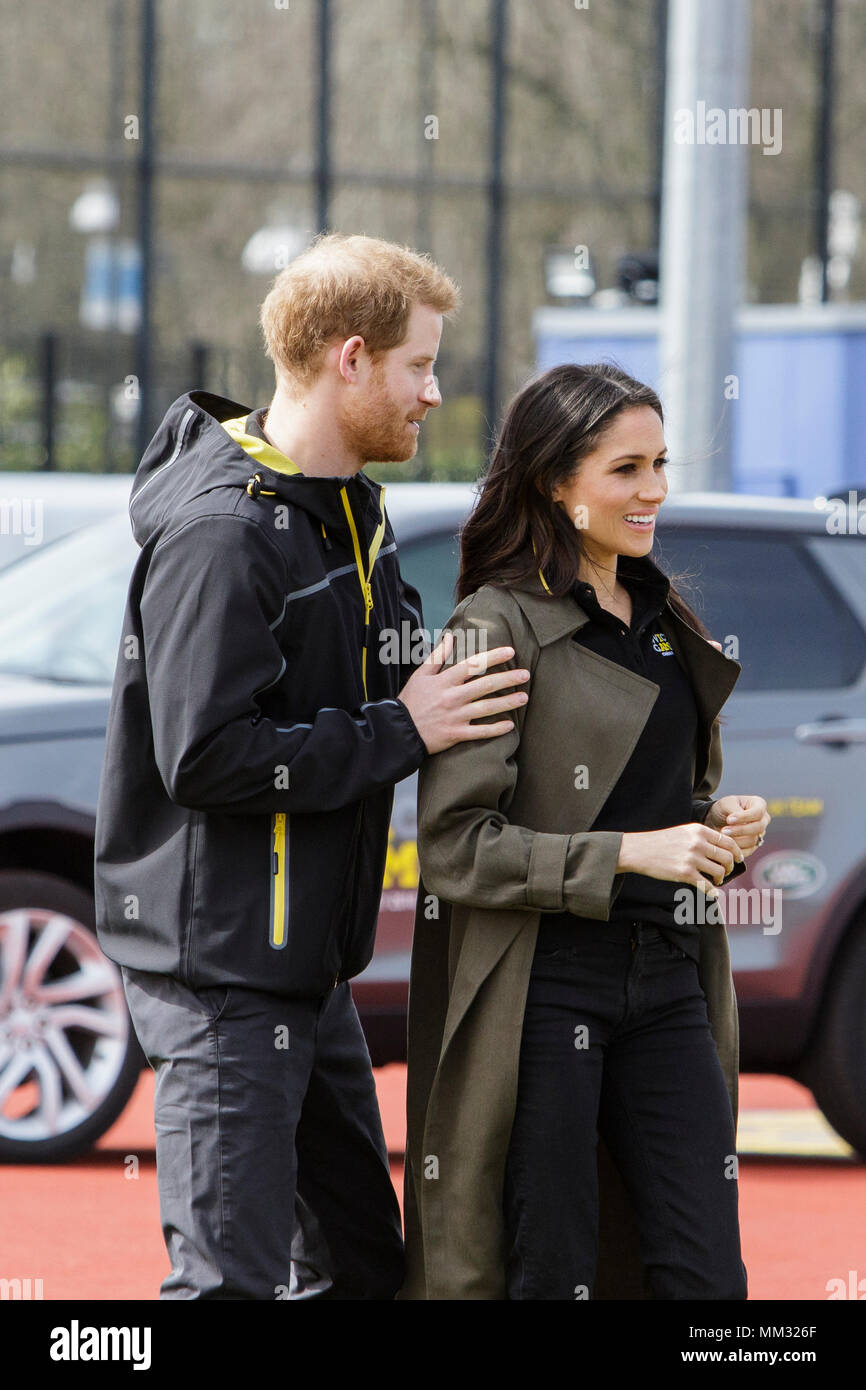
{"x":212,"y":595}
{"x":412,"y":613}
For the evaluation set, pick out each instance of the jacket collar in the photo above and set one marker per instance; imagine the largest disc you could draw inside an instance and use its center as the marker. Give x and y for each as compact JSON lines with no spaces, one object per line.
{"x":551,"y":618}
{"x":713,"y":674}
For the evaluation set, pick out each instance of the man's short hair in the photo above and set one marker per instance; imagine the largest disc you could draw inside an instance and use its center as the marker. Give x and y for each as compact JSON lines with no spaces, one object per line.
{"x":343,"y":285}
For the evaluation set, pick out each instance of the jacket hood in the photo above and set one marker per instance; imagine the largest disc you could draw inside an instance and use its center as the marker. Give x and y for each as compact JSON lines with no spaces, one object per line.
{"x":192,"y":454}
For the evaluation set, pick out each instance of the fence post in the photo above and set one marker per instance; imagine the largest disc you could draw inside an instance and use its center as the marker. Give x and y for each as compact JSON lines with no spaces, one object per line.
{"x":48,"y":375}
{"x":198,"y":357}
{"x":146,"y":161}
{"x":824,"y":141}
{"x":495,"y":218}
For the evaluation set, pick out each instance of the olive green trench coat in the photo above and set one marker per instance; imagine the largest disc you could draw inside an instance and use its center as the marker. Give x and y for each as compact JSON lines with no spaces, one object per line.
{"x":503,"y":833}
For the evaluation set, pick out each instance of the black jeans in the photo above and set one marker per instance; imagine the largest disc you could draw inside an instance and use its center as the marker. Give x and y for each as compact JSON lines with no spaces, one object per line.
{"x":616,"y":1040}
{"x":271,"y":1163}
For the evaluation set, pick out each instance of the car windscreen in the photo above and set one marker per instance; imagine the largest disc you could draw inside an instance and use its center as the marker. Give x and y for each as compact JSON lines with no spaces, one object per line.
{"x":61,"y":608}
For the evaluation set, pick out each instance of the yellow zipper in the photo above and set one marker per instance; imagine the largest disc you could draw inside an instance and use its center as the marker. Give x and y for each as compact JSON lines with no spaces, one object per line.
{"x":365,"y":576}
{"x":540,"y":575}
{"x":279,"y":881}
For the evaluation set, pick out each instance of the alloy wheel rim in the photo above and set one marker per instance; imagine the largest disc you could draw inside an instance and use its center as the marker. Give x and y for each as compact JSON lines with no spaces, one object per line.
{"x":64,"y":1026}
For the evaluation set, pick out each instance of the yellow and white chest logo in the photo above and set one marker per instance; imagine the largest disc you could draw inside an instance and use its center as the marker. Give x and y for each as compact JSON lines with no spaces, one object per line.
{"x":661,"y":644}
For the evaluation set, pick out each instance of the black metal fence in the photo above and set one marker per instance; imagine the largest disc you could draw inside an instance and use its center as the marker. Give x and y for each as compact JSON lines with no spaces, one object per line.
{"x":526,"y":162}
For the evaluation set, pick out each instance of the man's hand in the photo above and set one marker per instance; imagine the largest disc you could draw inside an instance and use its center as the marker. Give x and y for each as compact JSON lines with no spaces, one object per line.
{"x":442,"y":702}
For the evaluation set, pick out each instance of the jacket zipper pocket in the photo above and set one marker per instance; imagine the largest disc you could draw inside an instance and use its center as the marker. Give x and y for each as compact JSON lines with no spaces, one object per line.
{"x":279,"y":902}
{"x":353,"y":891}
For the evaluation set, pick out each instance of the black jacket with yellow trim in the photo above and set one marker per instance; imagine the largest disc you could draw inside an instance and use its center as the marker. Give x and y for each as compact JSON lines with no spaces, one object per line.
{"x":254,"y":735}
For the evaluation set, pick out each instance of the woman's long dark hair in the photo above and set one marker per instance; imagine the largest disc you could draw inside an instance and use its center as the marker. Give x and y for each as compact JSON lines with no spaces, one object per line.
{"x":550,"y":426}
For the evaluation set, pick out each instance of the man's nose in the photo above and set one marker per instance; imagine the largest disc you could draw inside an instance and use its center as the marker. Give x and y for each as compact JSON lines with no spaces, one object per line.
{"x":431,"y":394}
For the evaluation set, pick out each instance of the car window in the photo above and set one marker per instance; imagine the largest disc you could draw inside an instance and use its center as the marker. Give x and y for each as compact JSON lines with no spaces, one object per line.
{"x":795,"y":630}
{"x":61,"y":609}
{"x":431,"y":565}
{"x":844,"y":559}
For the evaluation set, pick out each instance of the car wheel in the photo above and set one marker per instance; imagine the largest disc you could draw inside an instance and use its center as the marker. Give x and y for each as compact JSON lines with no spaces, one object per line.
{"x":69,"y":1058}
{"x":835,"y":1070}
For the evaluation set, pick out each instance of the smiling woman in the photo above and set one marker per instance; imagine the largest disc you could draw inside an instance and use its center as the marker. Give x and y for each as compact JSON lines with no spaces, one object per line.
{"x":570,"y":862}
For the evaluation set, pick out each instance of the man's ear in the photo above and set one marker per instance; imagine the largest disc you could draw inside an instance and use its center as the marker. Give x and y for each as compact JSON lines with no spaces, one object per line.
{"x":347,"y":362}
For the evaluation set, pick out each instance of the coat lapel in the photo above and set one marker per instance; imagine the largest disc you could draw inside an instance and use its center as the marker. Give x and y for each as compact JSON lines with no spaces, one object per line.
{"x":713,"y":675}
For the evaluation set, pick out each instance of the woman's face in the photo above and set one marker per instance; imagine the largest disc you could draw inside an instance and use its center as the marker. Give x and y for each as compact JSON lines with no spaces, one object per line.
{"x":623,"y":477}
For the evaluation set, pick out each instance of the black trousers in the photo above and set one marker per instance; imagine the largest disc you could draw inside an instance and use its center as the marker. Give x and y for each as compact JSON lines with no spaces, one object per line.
{"x":271,"y":1162}
{"x":616,"y":1041}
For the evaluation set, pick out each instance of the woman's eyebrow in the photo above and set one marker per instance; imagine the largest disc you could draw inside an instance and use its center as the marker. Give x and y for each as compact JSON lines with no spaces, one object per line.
{"x":637,"y":457}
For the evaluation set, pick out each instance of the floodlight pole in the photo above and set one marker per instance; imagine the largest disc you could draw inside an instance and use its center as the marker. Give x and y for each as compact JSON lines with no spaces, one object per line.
{"x":146,"y":154}
{"x":702,"y":237}
{"x":495,"y":218}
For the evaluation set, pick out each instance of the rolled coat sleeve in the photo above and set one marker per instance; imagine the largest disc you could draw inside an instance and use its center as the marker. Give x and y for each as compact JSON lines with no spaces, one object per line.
{"x":469,"y":851}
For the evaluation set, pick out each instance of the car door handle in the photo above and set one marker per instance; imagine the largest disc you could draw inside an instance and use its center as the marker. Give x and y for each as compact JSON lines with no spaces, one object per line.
{"x":835,"y":731}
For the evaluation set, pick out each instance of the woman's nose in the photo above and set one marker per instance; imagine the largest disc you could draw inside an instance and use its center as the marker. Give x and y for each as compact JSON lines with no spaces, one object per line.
{"x":656,"y":491}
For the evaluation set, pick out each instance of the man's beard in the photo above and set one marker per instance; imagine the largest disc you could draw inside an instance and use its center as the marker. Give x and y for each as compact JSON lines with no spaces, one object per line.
{"x":377,"y":430}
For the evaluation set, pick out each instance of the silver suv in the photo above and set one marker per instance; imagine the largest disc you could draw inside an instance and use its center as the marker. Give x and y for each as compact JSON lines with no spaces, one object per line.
{"x":781,"y":584}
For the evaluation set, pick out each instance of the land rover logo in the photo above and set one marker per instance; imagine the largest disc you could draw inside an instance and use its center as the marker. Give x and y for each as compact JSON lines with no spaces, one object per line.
{"x":794,"y":872}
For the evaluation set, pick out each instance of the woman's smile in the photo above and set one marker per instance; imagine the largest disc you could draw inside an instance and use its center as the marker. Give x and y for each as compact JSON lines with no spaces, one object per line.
{"x":641,"y":521}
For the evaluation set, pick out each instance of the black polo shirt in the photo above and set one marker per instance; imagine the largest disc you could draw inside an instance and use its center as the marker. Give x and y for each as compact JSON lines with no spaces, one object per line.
{"x":655,"y":788}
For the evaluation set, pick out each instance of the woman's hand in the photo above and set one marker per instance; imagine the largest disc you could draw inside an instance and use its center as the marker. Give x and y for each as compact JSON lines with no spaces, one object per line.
{"x":743,"y":818}
{"x":693,"y":853}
